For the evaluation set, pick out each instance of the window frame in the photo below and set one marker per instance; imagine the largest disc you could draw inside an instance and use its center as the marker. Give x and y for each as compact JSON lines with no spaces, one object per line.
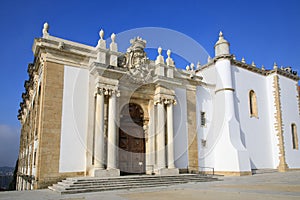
{"x":202,"y":119}
{"x":253,"y":108}
{"x":295,"y":142}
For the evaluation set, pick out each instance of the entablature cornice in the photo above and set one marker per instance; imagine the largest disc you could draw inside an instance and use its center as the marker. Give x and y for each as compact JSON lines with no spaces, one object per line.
{"x":283,"y":73}
{"x":187,"y":77}
{"x":103,"y":70}
{"x":106,"y":81}
{"x":65,"y":57}
{"x":251,"y":68}
{"x":106,"y":86}
{"x":164,"y":95}
{"x":62,"y":45}
{"x":265,"y":72}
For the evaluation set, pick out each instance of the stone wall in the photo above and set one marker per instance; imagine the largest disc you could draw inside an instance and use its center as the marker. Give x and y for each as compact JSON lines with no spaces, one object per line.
{"x":192,"y":131}
{"x":49,"y":141}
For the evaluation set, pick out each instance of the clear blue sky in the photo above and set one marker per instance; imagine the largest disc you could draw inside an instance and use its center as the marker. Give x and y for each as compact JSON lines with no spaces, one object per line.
{"x":263,"y":31}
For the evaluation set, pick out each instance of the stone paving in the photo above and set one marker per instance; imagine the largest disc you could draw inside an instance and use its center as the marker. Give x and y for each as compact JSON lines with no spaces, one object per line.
{"x":267,"y":186}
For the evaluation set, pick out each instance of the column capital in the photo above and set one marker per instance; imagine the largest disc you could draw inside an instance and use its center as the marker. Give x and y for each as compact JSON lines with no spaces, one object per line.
{"x":166,"y":100}
{"x":107,"y":91}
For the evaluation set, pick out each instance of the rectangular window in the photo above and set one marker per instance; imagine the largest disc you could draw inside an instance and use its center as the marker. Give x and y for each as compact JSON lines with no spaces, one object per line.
{"x":203,"y":119}
{"x":203,"y":142}
{"x":34,"y":158}
{"x":294,"y":136}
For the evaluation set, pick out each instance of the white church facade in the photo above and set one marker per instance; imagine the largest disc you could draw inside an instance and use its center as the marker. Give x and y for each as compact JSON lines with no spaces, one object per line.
{"x":95,"y":111}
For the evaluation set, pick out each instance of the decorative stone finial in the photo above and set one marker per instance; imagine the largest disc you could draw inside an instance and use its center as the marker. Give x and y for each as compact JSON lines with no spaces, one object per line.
{"x":101,"y":41}
{"x":253,"y":64}
{"x":221,"y":34}
{"x":113,"y":46}
{"x":159,"y":58}
{"x":45,"y":29}
{"x":113,"y":37}
{"x":275,"y":66}
{"x":169,"y":53}
{"x":192,"y":66}
{"x":262,"y":67}
{"x":101,"y":34}
{"x":191,"y":69}
{"x":169,"y":60}
{"x":159,"y":50}
{"x":243,"y":60}
{"x":208,"y":59}
{"x":198,"y":65}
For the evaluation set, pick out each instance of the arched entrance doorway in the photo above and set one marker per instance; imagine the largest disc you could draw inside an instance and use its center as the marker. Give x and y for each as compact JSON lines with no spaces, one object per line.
{"x":131,"y":140}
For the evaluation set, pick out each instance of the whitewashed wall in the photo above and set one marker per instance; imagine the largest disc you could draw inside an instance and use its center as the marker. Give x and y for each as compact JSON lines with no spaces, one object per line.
{"x":74,"y":120}
{"x":180,"y":130}
{"x":290,"y":114}
{"x":255,"y":132}
{"x":205,"y":100}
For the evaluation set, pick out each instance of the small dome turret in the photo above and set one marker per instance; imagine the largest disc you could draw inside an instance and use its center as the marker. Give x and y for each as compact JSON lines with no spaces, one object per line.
{"x":222,"y":46}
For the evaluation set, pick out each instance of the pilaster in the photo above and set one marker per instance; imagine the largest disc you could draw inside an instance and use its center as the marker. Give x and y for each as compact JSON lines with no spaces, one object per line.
{"x":192,"y":131}
{"x":282,"y":167}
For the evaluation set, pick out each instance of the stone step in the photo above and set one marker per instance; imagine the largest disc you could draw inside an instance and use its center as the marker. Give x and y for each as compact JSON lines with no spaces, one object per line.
{"x":137,"y":180}
{"x":263,"y":171}
{"x":141,"y":180}
{"x":92,"y":184}
{"x":124,"y":184}
{"x":129,"y":177}
{"x":126,"y":187}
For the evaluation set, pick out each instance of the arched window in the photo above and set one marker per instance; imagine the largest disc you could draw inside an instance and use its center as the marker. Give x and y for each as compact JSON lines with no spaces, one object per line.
{"x":294,"y":136}
{"x":253,"y":104}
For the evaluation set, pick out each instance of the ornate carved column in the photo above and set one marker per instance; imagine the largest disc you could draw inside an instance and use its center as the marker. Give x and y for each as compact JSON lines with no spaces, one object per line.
{"x":112,"y":132}
{"x":170,"y":133}
{"x":150,"y":160}
{"x":161,"y":153}
{"x":99,"y":130}
{"x":162,"y":101}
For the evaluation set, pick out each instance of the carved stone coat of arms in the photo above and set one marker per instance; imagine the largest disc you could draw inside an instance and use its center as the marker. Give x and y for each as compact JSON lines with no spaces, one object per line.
{"x":136,"y":61}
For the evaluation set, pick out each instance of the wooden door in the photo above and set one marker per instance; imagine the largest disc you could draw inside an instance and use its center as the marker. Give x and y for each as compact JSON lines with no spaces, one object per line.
{"x":131,"y":140}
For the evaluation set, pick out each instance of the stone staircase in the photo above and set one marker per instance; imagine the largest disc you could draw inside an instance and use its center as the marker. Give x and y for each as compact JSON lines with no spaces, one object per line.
{"x":93,"y":184}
